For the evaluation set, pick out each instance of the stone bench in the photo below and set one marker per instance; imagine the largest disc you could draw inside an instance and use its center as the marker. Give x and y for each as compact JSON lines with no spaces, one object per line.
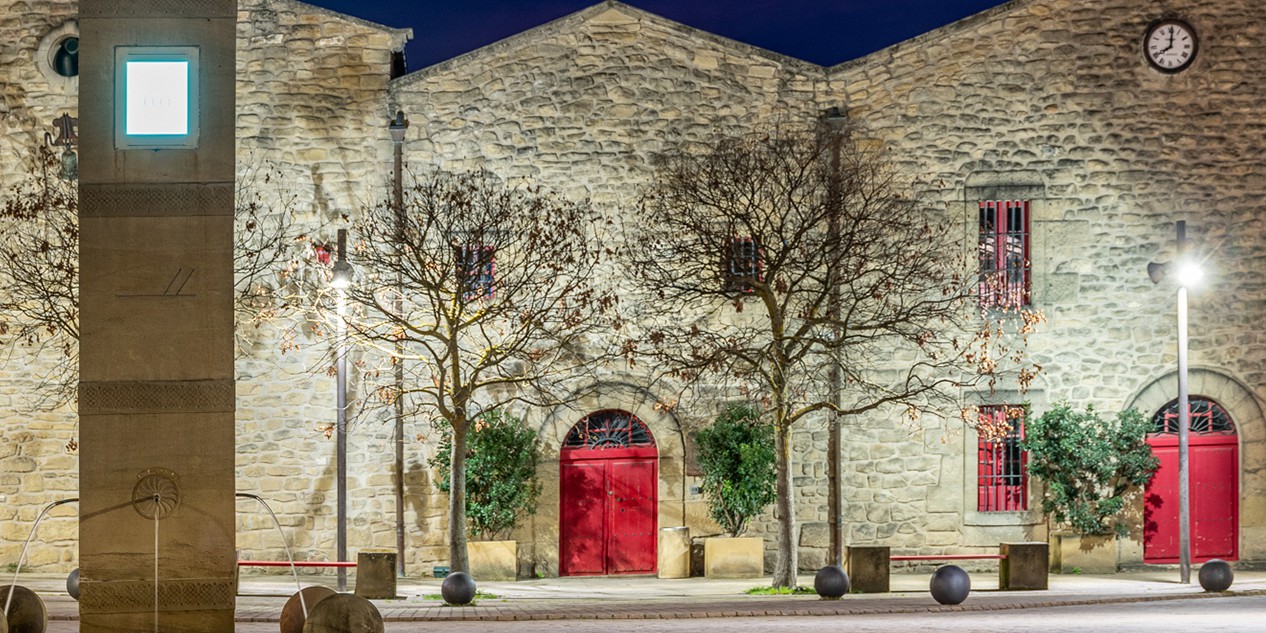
{"x":1021,"y":566}
{"x":375,"y":571}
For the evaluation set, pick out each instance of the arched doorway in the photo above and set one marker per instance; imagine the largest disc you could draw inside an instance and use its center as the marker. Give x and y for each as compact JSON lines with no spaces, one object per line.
{"x":608,"y":497}
{"x":1214,"y":465}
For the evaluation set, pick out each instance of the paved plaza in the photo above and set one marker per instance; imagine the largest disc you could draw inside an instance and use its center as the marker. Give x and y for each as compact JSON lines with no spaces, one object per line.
{"x":1143,"y":601}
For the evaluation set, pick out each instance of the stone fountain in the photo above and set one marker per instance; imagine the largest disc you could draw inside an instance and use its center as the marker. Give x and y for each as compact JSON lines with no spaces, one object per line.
{"x":156,"y":398}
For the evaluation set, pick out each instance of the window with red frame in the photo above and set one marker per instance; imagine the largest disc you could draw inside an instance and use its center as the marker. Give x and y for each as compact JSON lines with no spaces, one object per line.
{"x":742,"y":265}
{"x":1001,"y":480}
{"x":1004,"y":253}
{"x":476,"y":270}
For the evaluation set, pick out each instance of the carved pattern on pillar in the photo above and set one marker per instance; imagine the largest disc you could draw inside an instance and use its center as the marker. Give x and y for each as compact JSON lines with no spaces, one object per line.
{"x":133,"y":596}
{"x":193,"y":396}
{"x":155,"y":200}
{"x":159,"y":9}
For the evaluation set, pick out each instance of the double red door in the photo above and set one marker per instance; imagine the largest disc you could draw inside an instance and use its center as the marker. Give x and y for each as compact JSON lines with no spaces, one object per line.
{"x":1213,"y":483}
{"x":608,"y":511}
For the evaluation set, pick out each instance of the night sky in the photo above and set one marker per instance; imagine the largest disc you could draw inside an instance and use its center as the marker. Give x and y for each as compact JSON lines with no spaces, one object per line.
{"x":825,"y":32}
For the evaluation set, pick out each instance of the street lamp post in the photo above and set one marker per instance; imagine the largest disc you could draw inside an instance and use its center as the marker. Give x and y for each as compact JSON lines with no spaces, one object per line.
{"x":834,"y":119}
{"x":341,"y":279}
{"x":398,"y":127}
{"x":1187,"y":274}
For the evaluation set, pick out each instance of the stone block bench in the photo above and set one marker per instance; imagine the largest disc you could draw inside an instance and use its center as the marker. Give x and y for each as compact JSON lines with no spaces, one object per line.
{"x":1021,"y":566}
{"x":375,"y":572}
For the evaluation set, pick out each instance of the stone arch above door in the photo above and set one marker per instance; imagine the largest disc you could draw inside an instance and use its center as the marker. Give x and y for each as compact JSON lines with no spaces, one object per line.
{"x":1232,"y":394}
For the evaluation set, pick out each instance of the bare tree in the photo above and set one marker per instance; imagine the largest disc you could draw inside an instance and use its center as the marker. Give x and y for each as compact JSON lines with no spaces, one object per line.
{"x":785,"y":253}
{"x":499,"y":304}
{"x":39,"y":279}
{"x":39,"y":269}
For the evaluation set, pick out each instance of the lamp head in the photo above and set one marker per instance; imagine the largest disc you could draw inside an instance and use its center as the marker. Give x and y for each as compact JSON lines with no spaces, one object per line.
{"x":1156,"y":272}
{"x":1189,"y":273}
{"x":398,"y":127}
{"x":343,"y":272}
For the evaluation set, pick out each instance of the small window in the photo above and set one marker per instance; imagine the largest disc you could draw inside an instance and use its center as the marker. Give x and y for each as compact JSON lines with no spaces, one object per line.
{"x":1004,"y":254}
{"x":1001,"y":481}
{"x":476,"y":271}
{"x":66,"y":57}
{"x":742,"y":265}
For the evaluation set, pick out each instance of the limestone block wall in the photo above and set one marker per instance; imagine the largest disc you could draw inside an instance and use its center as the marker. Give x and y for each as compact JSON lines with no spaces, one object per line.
{"x":35,"y":466}
{"x":581,"y":106}
{"x":1050,"y":100}
{"x":1055,"y":97}
{"x":311,"y":131}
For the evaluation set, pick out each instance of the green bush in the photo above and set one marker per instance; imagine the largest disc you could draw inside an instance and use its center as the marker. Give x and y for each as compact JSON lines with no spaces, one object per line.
{"x":1088,"y":465}
{"x":736,"y":454}
{"x":501,"y":478}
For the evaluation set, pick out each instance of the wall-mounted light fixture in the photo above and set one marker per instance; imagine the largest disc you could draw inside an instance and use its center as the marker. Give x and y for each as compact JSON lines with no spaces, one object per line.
{"x":67,"y":140}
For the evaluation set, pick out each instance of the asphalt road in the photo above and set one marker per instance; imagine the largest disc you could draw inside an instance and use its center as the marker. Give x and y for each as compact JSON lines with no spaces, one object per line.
{"x":1219,"y":615}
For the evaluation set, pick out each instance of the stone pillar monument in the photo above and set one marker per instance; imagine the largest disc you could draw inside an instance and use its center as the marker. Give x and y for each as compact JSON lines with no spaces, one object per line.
{"x":156,"y":397}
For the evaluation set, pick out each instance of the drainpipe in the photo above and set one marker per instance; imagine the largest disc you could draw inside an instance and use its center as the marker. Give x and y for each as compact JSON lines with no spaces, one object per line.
{"x":398,"y":127}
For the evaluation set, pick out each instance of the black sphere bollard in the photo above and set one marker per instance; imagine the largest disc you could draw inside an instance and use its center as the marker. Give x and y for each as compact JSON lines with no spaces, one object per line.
{"x":950,"y":584}
{"x":72,"y":584}
{"x":831,"y":582}
{"x":458,"y":588}
{"x":1216,"y":575}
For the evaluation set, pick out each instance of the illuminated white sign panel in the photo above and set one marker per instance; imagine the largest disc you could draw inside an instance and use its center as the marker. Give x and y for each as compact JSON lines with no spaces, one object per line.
{"x":156,"y":97}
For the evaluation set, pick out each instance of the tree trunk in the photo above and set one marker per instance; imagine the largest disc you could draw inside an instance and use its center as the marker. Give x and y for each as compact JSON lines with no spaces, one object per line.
{"x":457,"y":555}
{"x":787,"y":561}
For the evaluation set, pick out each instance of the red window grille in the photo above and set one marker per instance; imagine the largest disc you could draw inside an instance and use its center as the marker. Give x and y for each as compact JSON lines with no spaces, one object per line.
{"x":1002,"y":480}
{"x":1004,"y":253}
{"x":1207,"y":418}
{"x":742,"y":265}
{"x":476,"y":271}
{"x":609,"y":429}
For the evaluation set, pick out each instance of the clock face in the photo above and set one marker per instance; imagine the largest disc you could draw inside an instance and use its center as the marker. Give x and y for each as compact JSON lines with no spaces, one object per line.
{"x":1170,"y":45}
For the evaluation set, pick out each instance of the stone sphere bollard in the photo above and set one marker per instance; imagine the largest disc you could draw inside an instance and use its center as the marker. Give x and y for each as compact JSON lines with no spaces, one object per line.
{"x":831,"y":582}
{"x":458,"y":588}
{"x":72,"y":583}
{"x":26,"y":613}
{"x":1216,"y":575}
{"x":344,"y":613}
{"x":292,"y":616}
{"x":950,"y":584}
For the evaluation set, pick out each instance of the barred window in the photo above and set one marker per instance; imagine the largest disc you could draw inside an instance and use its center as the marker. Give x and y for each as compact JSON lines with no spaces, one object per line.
{"x":476,"y":271}
{"x":742,"y":265}
{"x":1004,"y":254}
{"x":1002,"y":480}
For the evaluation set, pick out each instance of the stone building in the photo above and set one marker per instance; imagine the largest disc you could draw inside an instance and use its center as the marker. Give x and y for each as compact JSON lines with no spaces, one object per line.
{"x":1041,"y":125}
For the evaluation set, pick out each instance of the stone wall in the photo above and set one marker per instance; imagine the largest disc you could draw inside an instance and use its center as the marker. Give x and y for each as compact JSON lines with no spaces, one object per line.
{"x":1060,"y":90}
{"x":1051,"y":98}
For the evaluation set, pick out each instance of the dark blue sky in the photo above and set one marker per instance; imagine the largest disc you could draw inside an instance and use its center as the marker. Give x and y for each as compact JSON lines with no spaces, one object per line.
{"x":821,"y":31}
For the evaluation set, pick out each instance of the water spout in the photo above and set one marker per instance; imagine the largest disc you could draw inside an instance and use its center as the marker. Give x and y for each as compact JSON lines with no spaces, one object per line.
{"x":293,"y":570}
{"x":18,"y":568}
{"x":158,"y":503}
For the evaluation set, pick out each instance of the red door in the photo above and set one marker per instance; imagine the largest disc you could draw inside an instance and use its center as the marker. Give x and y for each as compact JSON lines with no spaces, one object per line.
{"x":608,"y":502}
{"x":1213,"y":454}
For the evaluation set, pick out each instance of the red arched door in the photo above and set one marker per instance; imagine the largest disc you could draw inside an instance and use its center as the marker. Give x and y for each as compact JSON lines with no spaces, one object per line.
{"x":608,"y":497}
{"x":1213,"y":471}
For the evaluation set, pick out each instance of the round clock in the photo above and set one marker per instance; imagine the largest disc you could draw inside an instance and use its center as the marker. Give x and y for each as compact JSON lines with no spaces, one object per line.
{"x":1170,"y":45}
